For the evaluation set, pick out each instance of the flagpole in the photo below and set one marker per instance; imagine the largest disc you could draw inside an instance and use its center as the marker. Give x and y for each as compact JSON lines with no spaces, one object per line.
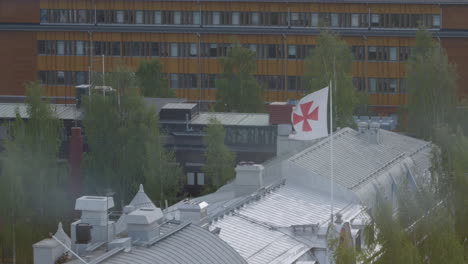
{"x":331,"y":141}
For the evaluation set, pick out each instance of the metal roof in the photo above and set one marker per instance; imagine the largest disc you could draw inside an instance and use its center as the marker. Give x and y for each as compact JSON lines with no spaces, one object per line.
{"x":64,"y":112}
{"x":234,"y":119}
{"x":261,"y":230}
{"x":141,"y":200}
{"x":179,"y":106}
{"x":160,"y":102}
{"x":355,"y":158}
{"x":191,"y":244}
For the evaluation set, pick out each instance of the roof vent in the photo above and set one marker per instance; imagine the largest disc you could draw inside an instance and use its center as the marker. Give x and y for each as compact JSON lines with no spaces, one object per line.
{"x":363,"y":127}
{"x":144,"y":224}
{"x":338,"y":219}
{"x":374,"y":133}
{"x":193,"y":212}
{"x":249,"y":178}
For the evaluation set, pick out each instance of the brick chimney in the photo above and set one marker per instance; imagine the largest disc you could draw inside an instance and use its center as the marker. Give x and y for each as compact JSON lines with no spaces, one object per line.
{"x":279,"y":113}
{"x":75,"y":152}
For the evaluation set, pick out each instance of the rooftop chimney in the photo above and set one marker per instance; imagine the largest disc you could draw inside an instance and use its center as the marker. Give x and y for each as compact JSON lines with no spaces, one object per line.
{"x":94,"y":211}
{"x":193,"y":212}
{"x":143,"y":224}
{"x":249,"y":178}
{"x":48,"y":251}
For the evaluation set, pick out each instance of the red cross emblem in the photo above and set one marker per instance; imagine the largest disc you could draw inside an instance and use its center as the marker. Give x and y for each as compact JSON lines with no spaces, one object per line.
{"x":305,"y":108}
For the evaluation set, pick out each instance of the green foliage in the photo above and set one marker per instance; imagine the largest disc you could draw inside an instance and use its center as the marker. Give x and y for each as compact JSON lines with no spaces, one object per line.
{"x":237,"y":88}
{"x":332,"y":60}
{"x":34,"y":184}
{"x":342,"y":248}
{"x":431,"y":82}
{"x":152,"y":80}
{"x":219,"y":165}
{"x":124,"y":142}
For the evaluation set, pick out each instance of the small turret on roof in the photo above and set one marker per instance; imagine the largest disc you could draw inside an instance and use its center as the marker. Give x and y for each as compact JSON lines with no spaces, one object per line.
{"x":142,"y":200}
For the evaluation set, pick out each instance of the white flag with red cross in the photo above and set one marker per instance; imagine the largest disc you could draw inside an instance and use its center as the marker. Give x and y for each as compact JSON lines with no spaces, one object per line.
{"x":309,"y":117}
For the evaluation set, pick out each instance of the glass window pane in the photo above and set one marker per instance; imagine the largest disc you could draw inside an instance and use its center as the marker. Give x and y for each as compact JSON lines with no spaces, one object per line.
{"x":44,"y":16}
{"x":60,"y":77}
{"x":120,"y":17}
{"x":253,"y":47}
{"x":436,"y":20}
{"x":254,"y":18}
{"x":334,"y":20}
{"x":139,"y":17}
{"x":190,"y":178}
{"x":193,"y":49}
{"x":174,"y":81}
{"x":196,"y":18}
{"x":177,"y":17}
{"x":79,"y":48}
{"x":80,"y":78}
{"x":82,"y":17}
{"x":63,"y":16}
{"x":60,"y":47}
{"x":157,"y":17}
{"x":235,"y":18}
{"x":291,"y":51}
{"x":201,"y":178}
{"x":355,"y":20}
{"x":216,"y":16}
{"x":314,"y":20}
{"x":393,"y":53}
{"x":173,"y":49}
{"x":392,"y":86}
{"x":372,"y":85}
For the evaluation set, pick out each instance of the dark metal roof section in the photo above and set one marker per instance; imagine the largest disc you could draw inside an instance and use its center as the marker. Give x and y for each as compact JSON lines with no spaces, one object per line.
{"x":189,"y":244}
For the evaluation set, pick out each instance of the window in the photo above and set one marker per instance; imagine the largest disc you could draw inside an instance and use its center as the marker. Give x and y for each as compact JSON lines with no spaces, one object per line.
{"x":375,"y":20}
{"x":213,"y":50}
{"x":294,"y":19}
{"x":254,"y":18}
{"x":177,"y":18}
{"x":100,"y":18}
{"x":120,"y":17}
{"x":334,"y":20}
{"x":402,"y":85}
{"x":82,"y":16}
{"x":193,"y":49}
{"x":314,"y":20}
{"x":60,"y":47}
{"x":436,"y":20}
{"x":63,"y":16}
{"x":80,"y":78}
{"x":200,"y":178}
{"x":216,"y":18}
{"x":44,"y":16}
{"x":393,"y":54}
{"x":372,"y":53}
{"x":60,"y":77}
{"x":355,"y":20}
{"x":292,"y":51}
{"x":41,"y":47}
{"x":235,"y":18}
{"x":372,"y":85}
{"x":359,"y":83}
{"x":392,"y":86}
{"x":139,"y":17}
{"x":174,"y":81}
{"x":79,"y":48}
{"x":404,"y":53}
{"x":157,"y":17}
{"x":174,"y":49}
{"x":115,"y":49}
{"x":253,"y":47}
{"x":136,"y":49}
{"x":190,"y":178}
{"x":196,"y":18}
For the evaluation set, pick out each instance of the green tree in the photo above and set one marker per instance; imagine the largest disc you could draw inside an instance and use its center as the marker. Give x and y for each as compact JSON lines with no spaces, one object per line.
{"x":237,"y":88}
{"x":332,"y":60}
{"x":124,"y":142}
{"x":152,"y":80}
{"x":219,"y":164}
{"x":431,"y":82}
{"x":34,"y":183}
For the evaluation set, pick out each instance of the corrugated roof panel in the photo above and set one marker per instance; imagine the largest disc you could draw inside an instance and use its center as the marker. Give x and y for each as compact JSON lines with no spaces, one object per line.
{"x":238,"y":119}
{"x":355,"y":158}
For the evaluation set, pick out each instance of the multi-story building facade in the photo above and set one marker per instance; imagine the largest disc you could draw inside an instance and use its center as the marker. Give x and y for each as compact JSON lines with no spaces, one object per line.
{"x":60,"y":41}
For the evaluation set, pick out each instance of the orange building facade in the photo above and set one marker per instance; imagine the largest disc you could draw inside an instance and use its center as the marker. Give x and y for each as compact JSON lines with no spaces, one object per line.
{"x":60,"y":41}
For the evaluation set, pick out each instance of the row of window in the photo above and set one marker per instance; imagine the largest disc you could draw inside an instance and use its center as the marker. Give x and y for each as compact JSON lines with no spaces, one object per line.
{"x":381,"y":53}
{"x":301,"y":19}
{"x":63,"y":77}
{"x":164,"y":49}
{"x":269,"y":82}
{"x":380,"y":85}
